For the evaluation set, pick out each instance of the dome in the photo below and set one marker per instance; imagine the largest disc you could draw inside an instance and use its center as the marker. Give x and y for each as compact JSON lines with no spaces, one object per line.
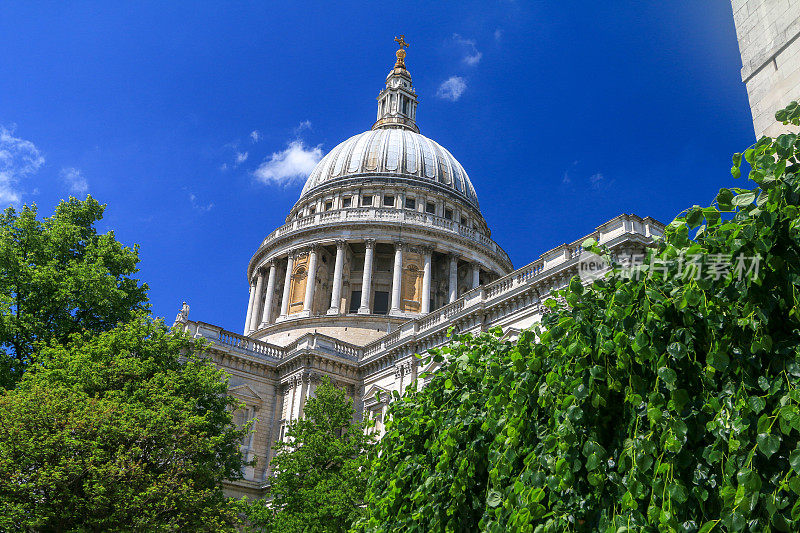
{"x":392,"y":152}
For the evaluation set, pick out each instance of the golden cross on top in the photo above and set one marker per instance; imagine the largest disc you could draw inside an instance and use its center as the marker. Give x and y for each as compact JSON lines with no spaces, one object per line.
{"x":401,"y":41}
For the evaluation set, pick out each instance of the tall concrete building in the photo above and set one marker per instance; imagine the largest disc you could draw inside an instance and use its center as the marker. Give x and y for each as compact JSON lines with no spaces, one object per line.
{"x":384,"y":252}
{"x":769,"y":42}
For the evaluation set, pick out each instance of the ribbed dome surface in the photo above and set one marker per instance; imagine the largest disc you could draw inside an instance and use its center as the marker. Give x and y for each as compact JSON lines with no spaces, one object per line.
{"x":392,"y":152}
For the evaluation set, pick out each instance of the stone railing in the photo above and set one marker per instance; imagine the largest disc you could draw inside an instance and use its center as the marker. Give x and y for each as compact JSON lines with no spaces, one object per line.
{"x":537,"y":274}
{"x":390,"y":214}
{"x":240,"y":343}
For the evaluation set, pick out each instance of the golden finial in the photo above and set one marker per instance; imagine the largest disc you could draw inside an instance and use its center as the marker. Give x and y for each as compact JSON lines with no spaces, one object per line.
{"x":401,"y":41}
{"x":401,"y":54}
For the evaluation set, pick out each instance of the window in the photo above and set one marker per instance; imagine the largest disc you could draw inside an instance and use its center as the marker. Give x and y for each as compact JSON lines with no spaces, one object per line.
{"x":430,"y":207}
{"x":346,"y":202}
{"x":381,"y":303}
{"x":312,"y":210}
{"x":388,"y":200}
{"x":448,"y":214}
{"x":366,"y":200}
{"x":464,"y":221}
{"x":328,"y":205}
{"x":411,"y":203}
{"x":355,"y":301}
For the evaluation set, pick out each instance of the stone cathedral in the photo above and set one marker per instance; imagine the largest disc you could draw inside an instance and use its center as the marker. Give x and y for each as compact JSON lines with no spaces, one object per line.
{"x":384,"y":251}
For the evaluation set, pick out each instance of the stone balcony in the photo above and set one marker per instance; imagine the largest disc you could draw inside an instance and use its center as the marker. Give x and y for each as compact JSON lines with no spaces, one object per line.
{"x":389,"y":215}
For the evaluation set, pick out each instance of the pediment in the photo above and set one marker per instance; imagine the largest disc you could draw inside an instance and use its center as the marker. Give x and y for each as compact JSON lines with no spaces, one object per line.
{"x":244,"y":392}
{"x":374,"y":390}
{"x":511,"y":334}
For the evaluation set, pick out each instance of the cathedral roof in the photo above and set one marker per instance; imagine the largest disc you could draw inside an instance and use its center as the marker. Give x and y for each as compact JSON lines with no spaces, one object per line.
{"x":393,"y":148}
{"x":392,"y":152}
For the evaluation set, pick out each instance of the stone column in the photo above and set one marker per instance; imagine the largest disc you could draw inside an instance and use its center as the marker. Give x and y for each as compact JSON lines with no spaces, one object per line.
{"x":336,"y":293}
{"x":453,"y":278}
{"x":366,"y":280}
{"x":287,"y":286}
{"x":311,"y":280}
{"x":476,"y":275}
{"x":397,"y":279}
{"x":256,"y":312}
{"x":249,"y":309}
{"x":426,"y":282}
{"x":267,"y":314}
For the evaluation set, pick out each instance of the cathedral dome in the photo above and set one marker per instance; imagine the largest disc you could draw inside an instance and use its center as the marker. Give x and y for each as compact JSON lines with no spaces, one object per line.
{"x":394,"y":152}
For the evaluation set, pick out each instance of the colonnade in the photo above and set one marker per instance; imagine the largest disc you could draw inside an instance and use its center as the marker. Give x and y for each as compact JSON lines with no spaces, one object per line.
{"x":262,"y":288}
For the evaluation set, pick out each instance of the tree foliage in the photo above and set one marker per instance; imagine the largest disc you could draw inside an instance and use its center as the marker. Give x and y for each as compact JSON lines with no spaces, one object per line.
{"x":58,"y":276}
{"x":668,"y":402}
{"x":320,"y":469}
{"x":118,"y":431}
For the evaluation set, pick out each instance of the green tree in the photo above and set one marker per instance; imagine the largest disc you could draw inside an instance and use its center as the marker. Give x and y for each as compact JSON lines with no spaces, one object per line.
{"x":320,"y":469}
{"x":667,"y":402}
{"x":58,"y":276}
{"x":123,"y":430}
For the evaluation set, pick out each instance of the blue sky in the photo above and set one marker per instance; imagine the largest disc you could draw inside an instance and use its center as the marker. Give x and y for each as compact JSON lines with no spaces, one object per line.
{"x":564,"y":114}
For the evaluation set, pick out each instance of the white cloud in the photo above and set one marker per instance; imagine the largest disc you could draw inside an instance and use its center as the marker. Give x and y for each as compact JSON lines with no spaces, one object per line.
{"x":74,"y":180}
{"x":599,"y":182}
{"x":305,"y":125}
{"x":498,"y":34}
{"x":256,"y":136}
{"x":241,"y":157}
{"x":452,"y":88}
{"x":292,"y":164}
{"x":471,"y":54}
{"x":566,"y":178}
{"x":196,"y":205}
{"x":19,"y":158}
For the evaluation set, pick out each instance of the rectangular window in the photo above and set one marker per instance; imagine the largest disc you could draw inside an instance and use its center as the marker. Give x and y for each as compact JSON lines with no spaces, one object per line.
{"x":328,"y":205}
{"x":355,"y":301}
{"x":366,"y":200}
{"x":312,"y":210}
{"x":411,"y":203}
{"x":388,"y":200}
{"x":448,"y":214}
{"x":346,"y":202}
{"x":430,"y":207}
{"x":381,"y":303}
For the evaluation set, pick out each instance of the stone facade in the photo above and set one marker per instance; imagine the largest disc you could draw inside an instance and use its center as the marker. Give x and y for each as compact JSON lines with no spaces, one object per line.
{"x":385,"y":251}
{"x":769,"y":42}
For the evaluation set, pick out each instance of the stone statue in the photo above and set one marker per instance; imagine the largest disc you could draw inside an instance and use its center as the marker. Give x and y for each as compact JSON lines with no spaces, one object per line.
{"x":183,"y":315}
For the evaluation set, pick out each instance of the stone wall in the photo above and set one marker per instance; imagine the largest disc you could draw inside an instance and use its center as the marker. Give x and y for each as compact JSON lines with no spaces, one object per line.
{"x":769,"y":42}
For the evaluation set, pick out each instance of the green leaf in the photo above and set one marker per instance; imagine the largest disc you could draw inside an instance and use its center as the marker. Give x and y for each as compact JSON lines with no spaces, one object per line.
{"x":668,"y":376}
{"x":725,"y":199}
{"x":794,"y":460}
{"x":494,"y":498}
{"x":768,"y":444}
{"x":741,"y":200}
{"x":708,"y":526}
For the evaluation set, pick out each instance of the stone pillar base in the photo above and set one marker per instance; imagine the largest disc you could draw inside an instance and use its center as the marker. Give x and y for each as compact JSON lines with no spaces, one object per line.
{"x":332,"y":311}
{"x":364,"y":311}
